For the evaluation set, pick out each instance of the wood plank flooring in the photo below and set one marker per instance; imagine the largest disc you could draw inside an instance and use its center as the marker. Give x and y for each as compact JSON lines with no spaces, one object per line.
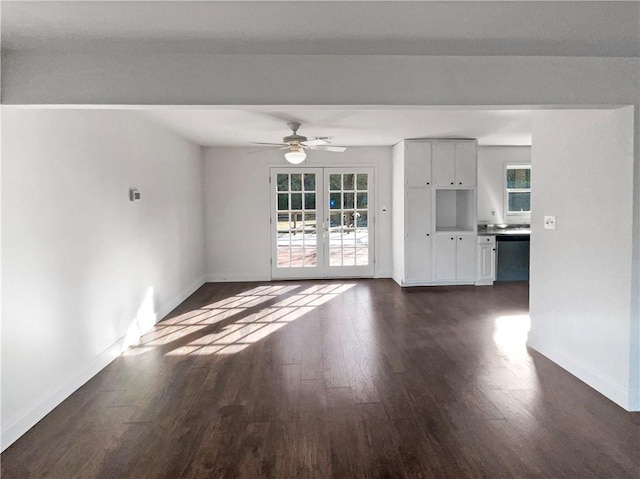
{"x":343,"y":379}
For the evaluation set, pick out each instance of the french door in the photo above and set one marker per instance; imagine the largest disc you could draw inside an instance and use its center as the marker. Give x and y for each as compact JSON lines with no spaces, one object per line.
{"x":322,"y":222}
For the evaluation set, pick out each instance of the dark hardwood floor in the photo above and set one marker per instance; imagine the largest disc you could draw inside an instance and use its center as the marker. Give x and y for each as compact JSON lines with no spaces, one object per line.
{"x":344,"y":379}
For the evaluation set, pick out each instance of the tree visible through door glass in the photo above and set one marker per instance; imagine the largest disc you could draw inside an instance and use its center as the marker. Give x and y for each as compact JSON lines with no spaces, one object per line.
{"x":296,"y":182}
{"x":340,"y":210}
{"x":348,"y":182}
{"x":334,"y":182}
{"x":296,"y":228}
{"x":309,"y":182}
{"x":362,"y":181}
{"x":283,"y":201}
{"x":283,"y":182}
{"x":362,"y":200}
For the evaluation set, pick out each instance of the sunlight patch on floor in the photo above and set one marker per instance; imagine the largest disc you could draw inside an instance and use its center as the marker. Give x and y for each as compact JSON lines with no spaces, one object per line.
{"x":254,"y":321}
{"x":510,"y":333}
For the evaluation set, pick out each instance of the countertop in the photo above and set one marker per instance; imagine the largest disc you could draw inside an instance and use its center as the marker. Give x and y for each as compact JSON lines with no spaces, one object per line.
{"x":523,"y":230}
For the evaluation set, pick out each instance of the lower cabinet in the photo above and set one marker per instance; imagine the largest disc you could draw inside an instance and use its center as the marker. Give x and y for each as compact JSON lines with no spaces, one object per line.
{"x":418,"y":268}
{"x":417,"y":240}
{"x":486,"y":268}
{"x":455,"y":258}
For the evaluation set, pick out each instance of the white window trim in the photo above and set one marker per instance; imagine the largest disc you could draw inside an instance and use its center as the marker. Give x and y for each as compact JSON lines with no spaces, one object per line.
{"x":514,"y":214}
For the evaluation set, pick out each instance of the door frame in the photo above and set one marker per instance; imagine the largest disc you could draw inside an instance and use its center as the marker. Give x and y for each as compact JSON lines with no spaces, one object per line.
{"x":323,"y":270}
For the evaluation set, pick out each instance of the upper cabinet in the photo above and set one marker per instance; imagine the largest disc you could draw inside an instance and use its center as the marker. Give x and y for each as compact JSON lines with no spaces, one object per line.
{"x":454,"y":163}
{"x":444,"y":163}
{"x":466,"y":163}
{"x":417,"y":163}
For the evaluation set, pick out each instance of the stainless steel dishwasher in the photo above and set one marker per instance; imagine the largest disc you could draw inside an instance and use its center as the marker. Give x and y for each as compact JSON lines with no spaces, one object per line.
{"x":512,"y":257}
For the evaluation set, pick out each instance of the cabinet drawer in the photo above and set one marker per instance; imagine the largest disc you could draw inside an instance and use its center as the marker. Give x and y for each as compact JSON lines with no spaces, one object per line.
{"x":491,"y":240}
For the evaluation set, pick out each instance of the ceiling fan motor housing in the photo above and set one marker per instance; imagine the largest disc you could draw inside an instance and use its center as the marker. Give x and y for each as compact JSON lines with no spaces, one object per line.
{"x":294,"y":138}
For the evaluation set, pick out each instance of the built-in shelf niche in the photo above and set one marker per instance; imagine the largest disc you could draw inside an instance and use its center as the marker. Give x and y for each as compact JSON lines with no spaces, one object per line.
{"x":455,"y":210}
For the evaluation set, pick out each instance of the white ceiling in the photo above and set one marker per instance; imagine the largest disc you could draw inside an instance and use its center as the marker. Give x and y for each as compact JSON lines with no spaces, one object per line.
{"x":348,"y":127}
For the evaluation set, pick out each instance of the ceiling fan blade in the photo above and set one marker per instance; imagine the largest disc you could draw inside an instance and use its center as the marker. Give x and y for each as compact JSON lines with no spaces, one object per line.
{"x":269,"y":144}
{"x":335,"y":149}
{"x":316,"y":142}
{"x":269,"y":149}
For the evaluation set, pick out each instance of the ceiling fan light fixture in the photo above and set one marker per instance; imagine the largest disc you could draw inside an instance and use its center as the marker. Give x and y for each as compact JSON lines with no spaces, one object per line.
{"x":295,"y":156}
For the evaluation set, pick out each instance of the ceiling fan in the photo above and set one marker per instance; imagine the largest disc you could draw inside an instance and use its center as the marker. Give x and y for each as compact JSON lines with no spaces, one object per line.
{"x":297,"y":144}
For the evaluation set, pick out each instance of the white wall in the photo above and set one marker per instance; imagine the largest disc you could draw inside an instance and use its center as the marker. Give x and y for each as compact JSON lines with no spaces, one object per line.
{"x":580,"y":293}
{"x":398,"y":195}
{"x":237,"y":208}
{"x":491,"y":163}
{"x":80,"y":261}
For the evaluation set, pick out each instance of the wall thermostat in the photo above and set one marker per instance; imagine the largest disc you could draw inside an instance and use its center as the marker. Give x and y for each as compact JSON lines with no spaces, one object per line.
{"x":134,"y":194}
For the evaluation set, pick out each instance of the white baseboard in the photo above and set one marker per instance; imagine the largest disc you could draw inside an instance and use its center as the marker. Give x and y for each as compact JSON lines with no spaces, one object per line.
{"x":408,"y":284}
{"x":634,"y":400}
{"x":234,"y":278}
{"x":169,"y":306}
{"x":383,"y":275}
{"x":30,"y":417}
{"x":621,"y":395}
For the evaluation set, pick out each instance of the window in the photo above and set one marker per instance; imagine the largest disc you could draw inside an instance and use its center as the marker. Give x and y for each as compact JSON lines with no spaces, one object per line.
{"x":518,"y":190}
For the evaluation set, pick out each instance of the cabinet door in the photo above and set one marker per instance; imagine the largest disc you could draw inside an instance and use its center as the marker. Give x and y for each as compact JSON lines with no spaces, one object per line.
{"x":417,"y":163}
{"x":418,"y":234}
{"x":466,"y":258}
{"x":466,"y":163}
{"x":486,"y":262}
{"x":444,"y":163}
{"x":445,"y":257}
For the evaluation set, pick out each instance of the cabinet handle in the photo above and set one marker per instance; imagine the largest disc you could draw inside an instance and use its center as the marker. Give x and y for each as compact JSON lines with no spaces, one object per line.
{"x":451,"y":238}
{"x":452,"y":182}
{"x":460,"y":183}
{"x":494,"y":249}
{"x":460,"y":238}
{"x":427,"y":234}
{"x":427,"y":182}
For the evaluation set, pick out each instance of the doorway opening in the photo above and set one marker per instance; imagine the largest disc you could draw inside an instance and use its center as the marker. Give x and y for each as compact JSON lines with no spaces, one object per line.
{"x":321,"y":222}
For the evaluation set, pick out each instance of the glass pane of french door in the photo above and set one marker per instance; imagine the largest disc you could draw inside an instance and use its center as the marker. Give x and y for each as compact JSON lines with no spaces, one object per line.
{"x":349,"y":249}
{"x":296,"y":195}
{"x":320,"y":222}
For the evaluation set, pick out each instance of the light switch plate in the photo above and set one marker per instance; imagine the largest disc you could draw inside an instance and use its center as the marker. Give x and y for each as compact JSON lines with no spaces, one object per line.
{"x":549,"y":222}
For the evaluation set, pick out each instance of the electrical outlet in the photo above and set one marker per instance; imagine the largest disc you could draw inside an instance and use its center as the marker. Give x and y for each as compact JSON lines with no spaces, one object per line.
{"x":549,"y":222}
{"x":493,"y":212}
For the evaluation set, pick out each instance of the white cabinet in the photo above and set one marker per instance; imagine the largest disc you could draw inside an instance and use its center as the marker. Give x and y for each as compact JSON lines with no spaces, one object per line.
{"x":444,"y":163}
{"x":445,"y":258}
{"x":454,"y":163}
{"x":466,"y":163}
{"x":418,"y":234}
{"x":486,"y":263}
{"x":455,"y":258}
{"x":417,"y":175}
{"x":412,"y":212}
{"x":417,"y":160}
{"x":434,"y":227}
{"x":466,"y":258}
